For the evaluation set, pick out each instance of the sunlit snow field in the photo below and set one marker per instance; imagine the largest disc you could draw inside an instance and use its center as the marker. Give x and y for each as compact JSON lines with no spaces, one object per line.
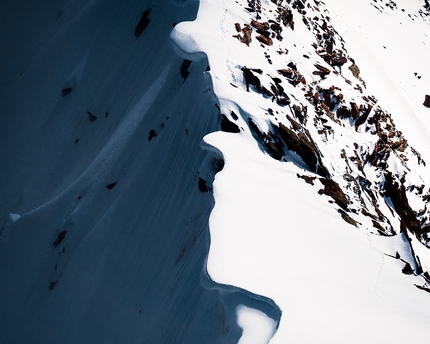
{"x":272,"y":235}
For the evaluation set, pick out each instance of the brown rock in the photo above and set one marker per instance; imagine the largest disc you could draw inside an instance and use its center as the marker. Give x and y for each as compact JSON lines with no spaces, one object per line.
{"x":343,"y":112}
{"x":378,"y":226}
{"x":399,"y":145}
{"x":329,"y":45}
{"x":266,"y":92}
{"x":303,"y":144}
{"x":360,"y":120}
{"x":286,"y":15}
{"x":273,"y":146}
{"x":348,"y":219}
{"x":276,"y":27}
{"x":354,"y":110}
{"x":292,"y":75}
{"x":322,"y":71}
{"x":286,"y":72}
{"x":397,"y":193}
{"x":275,"y":149}
{"x":265,"y":40}
{"x":426,"y":229}
{"x":307,"y":179}
{"x":327,"y":97}
{"x":260,"y":26}
{"x":251,"y":79}
{"x":338,"y":60}
{"x":247,"y":32}
{"x":427,"y":101}
{"x":354,"y":70}
{"x":332,"y":189}
{"x":300,"y":113}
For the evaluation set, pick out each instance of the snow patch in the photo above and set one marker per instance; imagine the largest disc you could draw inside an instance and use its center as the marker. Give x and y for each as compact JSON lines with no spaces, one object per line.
{"x":257,"y":327}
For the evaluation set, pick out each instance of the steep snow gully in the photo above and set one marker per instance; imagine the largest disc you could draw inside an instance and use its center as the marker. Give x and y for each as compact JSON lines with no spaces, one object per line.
{"x":214,"y":171}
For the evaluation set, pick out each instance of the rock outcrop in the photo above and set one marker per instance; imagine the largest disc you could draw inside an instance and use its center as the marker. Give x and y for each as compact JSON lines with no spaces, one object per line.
{"x":427,"y":101}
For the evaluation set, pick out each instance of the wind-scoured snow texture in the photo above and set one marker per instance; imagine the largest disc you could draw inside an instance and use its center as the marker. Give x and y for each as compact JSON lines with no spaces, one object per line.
{"x":103,"y":226}
{"x":322,"y":205}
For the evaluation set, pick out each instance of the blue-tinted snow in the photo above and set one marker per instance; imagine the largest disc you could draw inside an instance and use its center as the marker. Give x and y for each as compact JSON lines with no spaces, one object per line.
{"x":105,"y":232}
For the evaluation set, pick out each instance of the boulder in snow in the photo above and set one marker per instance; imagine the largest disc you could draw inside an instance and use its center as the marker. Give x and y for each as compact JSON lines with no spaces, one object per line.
{"x":427,"y":101}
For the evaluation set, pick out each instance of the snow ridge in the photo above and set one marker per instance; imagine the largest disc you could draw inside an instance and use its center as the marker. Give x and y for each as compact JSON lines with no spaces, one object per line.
{"x":111,"y":234}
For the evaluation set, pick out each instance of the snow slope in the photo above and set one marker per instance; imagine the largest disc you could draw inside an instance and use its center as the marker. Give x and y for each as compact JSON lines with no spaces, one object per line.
{"x":318,"y":228}
{"x":271,"y":233}
{"x":85,"y":263}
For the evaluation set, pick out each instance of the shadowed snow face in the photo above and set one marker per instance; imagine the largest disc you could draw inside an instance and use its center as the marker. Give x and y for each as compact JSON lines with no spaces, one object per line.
{"x":110,"y":238}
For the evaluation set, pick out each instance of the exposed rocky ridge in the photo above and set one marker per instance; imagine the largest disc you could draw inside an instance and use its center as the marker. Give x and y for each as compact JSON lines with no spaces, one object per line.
{"x":307,"y":113}
{"x":382,"y":5}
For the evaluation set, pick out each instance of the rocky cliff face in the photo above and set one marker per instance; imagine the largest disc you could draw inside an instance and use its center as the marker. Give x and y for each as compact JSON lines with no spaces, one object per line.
{"x":313,"y":103}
